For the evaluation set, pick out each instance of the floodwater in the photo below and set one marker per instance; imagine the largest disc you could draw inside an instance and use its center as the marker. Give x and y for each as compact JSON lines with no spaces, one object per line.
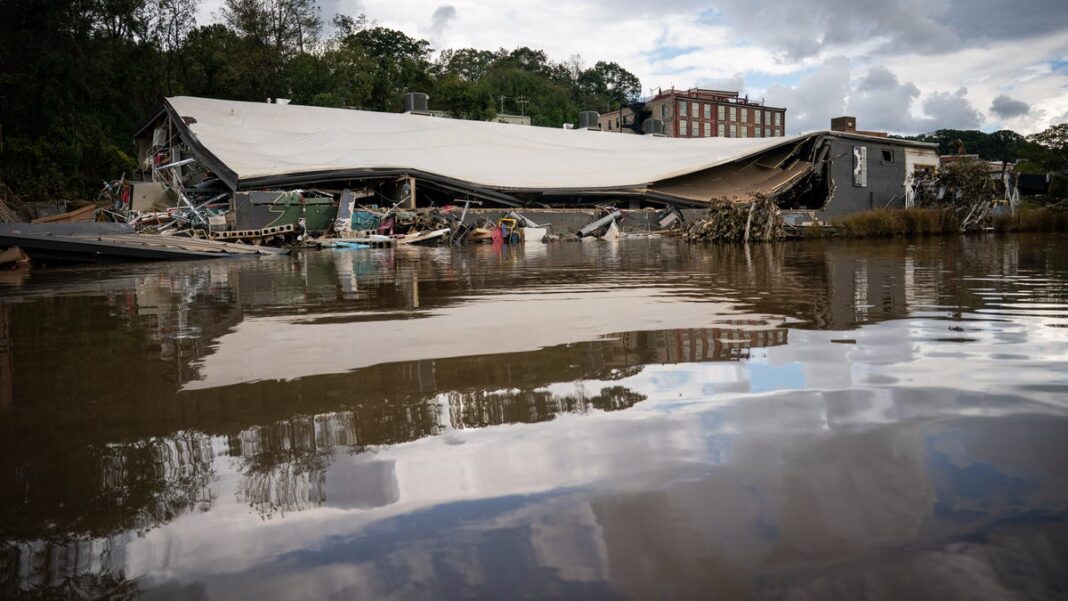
{"x":641,"y":419}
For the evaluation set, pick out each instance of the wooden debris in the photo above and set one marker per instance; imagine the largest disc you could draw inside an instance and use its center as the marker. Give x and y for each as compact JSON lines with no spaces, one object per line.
{"x":733,"y":221}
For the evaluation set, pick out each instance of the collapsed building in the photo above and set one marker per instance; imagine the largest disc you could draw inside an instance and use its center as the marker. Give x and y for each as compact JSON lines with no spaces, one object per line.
{"x":256,"y":159}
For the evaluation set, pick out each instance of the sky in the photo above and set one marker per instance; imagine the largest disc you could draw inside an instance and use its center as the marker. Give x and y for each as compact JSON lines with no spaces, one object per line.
{"x":903,"y":66}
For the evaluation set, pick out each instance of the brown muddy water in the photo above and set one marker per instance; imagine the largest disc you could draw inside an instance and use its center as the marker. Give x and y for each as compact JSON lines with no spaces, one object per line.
{"x":643,"y":419}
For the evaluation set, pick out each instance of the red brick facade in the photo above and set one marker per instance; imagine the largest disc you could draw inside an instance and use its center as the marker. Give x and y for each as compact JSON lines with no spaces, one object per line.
{"x":698,"y":113}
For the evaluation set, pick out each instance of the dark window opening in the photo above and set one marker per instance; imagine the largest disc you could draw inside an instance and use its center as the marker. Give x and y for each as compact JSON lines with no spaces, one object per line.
{"x":888,"y":157}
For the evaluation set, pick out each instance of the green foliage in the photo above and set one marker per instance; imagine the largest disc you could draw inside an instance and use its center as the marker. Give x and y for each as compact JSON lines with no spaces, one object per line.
{"x":607,"y":86}
{"x":1055,"y":142}
{"x":464,"y":99}
{"x":963,"y":183}
{"x":76,"y":78}
{"x":1037,"y":153}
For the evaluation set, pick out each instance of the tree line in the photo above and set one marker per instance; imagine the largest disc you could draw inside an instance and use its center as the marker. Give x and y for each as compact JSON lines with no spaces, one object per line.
{"x":1042,"y":152}
{"x":76,"y":77}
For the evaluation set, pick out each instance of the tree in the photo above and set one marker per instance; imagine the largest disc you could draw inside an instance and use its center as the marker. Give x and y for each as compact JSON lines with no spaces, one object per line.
{"x":272,"y":33}
{"x":339,"y":77}
{"x":468,"y":64}
{"x":288,"y":26}
{"x":211,"y":69}
{"x":607,"y":86}
{"x":464,"y":99}
{"x":171,"y":22}
{"x":76,"y":77}
{"x":399,"y":64}
{"x":1055,"y":140}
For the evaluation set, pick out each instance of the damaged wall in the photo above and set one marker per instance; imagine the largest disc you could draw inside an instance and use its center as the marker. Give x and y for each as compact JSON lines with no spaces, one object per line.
{"x":882,"y":185}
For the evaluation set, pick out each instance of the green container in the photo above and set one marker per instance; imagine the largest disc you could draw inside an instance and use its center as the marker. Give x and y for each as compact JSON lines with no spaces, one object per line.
{"x":263,"y":209}
{"x":319,"y":214}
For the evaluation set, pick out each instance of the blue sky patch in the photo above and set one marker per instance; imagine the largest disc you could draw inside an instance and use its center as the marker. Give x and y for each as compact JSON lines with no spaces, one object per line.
{"x":666,"y":53}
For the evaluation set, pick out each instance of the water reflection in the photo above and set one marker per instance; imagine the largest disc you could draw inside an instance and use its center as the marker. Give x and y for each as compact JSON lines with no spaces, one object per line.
{"x":636,"y":420}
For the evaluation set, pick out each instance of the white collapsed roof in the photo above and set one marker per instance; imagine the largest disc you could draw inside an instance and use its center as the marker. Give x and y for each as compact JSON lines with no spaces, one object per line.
{"x":261,"y":141}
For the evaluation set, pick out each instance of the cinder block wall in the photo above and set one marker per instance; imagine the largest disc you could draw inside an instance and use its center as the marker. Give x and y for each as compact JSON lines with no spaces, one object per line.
{"x":886,"y":181}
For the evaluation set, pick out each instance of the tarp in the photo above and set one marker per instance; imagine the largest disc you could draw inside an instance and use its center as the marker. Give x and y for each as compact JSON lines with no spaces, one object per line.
{"x":252,"y":143}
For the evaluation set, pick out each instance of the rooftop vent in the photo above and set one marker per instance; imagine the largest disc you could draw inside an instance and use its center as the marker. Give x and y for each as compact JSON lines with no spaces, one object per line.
{"x":417,"y":103}
{"x":588,"y":120}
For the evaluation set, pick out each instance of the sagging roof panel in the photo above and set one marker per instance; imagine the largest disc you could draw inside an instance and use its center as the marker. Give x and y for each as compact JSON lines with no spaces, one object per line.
{"x":248,"y":142}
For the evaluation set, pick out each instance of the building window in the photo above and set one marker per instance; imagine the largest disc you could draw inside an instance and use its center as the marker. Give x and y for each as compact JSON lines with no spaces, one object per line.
{"x":767,"y":117}
{"x":695,"y":129}
{"x":758,"y":131}
{"x":745,"y":115}
{"x":708,"y":129}
{"x":683,"y":133}
{"x":708,"y":111}
{"x":778,"y":119}
{"x":695,"y":112}
{"x":767,"y":132}
{"x":778,"y":132}
{"x":860,"y":166}
{"x":744,"y":131}
{"x":721,"y":112}
{"x":734,"y":114}
{"x":664,"y":110}
{"x":721,"y":129}
{"x":734,"y":130}
{"x":756,"y":116}
{"x":682,"y":108}
{"x":888,"y":156}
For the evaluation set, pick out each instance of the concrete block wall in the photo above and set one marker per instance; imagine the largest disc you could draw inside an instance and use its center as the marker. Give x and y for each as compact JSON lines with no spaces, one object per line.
{"x":886,"y":181}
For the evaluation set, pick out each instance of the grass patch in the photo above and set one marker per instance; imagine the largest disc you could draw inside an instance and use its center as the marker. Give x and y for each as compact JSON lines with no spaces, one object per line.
{"x":883,"y":223}
{"x":1032,"y":220}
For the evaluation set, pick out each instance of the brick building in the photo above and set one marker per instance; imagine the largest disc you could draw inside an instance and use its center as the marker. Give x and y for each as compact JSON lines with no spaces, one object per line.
{"x":699,"y":113}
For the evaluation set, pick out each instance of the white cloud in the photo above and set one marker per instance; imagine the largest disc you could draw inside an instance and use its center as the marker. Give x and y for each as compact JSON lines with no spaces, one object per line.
{"x":440,"y":20}
{"x":817,"y":98}
{"x":949,"y":110}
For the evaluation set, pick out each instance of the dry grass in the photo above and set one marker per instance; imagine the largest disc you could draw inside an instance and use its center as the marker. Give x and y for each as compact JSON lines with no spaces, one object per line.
{"x":1032,"y":220}
{"x":899,"y":222}
{"x":927,"y":222}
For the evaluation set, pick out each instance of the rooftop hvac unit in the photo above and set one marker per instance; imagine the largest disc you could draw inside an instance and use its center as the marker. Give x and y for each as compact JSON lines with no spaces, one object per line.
{"x":588,"y":120}
{"x":653,"y":127}
{"x":417,"y":103}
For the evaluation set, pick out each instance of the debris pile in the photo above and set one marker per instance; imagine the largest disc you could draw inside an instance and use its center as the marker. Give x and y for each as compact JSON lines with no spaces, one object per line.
{"x":967,"y":188}
{"x":732,"y":221}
